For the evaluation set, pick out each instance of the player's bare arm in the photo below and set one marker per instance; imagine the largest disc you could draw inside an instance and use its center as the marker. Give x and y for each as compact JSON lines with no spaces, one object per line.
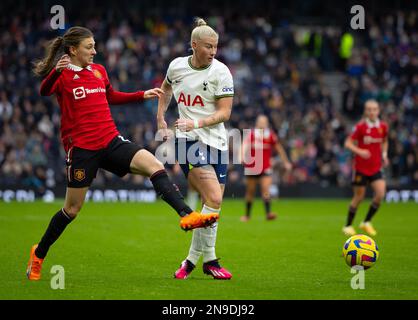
{"x":244,"y":150}
{"x":164,"y":99}
{"x":163,"y":103}
{"x":282,"y":153}
{"x":222,"y":114}
{"x":385,"y":148}
{"x":350,"y":145}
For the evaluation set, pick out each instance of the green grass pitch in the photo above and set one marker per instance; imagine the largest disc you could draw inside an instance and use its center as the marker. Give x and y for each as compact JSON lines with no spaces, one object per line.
{"x":130,"y":251}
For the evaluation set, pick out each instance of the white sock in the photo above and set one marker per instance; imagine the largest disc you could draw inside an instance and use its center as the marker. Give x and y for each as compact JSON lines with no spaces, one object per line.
{"x":192,"y":198}
{"x":208,"y":236}
{"x":195,"y":250}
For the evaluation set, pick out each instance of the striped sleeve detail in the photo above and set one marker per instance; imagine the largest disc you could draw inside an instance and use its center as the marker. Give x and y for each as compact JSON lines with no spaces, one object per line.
{"x":224,"y":96}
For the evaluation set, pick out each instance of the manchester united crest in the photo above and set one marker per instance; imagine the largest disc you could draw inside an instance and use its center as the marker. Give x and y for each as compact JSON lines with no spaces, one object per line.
{"x":79,"y":174}
{"x":97,"y":74}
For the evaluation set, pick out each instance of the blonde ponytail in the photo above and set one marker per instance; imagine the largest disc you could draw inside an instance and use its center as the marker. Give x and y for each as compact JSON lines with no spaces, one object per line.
{"x":202,"y":29}
{"x":198,"y":22}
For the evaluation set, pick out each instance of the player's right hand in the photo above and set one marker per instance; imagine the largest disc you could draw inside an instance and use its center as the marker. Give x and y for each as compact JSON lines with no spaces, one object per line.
{"x":288,"y":166}
{"x":63,"y":63}
{"x":153,"y":93}
{"x":364,"y":153}
{"x":162,"y":128}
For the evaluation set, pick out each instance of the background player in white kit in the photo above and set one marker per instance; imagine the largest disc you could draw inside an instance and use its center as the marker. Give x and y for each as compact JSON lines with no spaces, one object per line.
{"x":203,"y":88}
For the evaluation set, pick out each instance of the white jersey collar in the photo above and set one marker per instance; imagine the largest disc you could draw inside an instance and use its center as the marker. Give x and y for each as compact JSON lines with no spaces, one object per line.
{"x":189,"y":61}
{"x":77,"y":68}
{"x":373,"y":124}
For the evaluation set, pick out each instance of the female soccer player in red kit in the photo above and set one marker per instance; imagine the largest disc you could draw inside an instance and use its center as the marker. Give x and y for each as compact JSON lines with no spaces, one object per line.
{"x":266,"y":141}
{"x":369,"y":143}
{"x":90,"y":137}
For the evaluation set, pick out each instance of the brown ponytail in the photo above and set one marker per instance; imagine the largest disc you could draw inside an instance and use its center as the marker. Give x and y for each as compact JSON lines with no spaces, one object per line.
{"x":71,"y":38}
{"x":44,"y":66}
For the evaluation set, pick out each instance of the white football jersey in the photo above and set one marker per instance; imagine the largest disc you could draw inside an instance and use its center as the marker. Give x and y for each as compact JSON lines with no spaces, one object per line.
{"x":196,"y":92}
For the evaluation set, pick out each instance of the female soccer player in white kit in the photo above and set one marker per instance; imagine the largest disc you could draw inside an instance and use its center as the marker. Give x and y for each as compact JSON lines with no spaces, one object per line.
{"x":203,"y":88}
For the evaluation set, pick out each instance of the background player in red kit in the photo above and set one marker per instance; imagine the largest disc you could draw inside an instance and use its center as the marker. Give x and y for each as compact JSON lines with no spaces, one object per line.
{"x":369,"y":143}
{"x":90,"y":137}
{"x":265,"y":139}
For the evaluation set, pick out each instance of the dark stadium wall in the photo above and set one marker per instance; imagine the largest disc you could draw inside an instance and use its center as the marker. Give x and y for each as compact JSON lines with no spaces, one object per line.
{"x":135,"y":193}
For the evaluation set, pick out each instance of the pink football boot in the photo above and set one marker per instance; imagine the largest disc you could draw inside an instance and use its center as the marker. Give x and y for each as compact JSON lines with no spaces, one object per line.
{"x":214,"y":269}
{"x":185,"y":269}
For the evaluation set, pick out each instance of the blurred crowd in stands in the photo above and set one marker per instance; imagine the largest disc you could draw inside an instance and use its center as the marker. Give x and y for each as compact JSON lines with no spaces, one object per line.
{"x":279,"y":69}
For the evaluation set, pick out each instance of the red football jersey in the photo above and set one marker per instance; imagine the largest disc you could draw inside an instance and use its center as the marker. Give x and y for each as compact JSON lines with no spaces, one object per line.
{"x":369,"y":136}
{"x":261,"y":144}
{"x":84,"y":95}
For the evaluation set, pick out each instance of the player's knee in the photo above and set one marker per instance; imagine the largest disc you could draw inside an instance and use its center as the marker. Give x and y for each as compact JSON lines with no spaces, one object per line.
{"x":249,"y":193}
{"x":266,"y":196}
{"x":214,"y":200}
{"x":156,"y":165}
{"x":249,"y":197}
{"x":378,"y":198}
{"x":357,"y":199}
{"x":73,"y":210}
{"x":145,"y":163}
{"x":360,"y":196}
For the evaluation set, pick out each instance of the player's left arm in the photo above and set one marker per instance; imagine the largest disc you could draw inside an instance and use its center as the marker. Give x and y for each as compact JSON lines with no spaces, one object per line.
{"x":117,"y":97}
{"x":222,"y":114}
{"x":282,"y":153}
{"x":246,"y":148}
{"x":385,"y":148}
{"x":224,"y":95}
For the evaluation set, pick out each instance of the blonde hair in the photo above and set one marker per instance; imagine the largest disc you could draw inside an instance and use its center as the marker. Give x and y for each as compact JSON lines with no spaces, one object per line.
{"x":201,"y":30}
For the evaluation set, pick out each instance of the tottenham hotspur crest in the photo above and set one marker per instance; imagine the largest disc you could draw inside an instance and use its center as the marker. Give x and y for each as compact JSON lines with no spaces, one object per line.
{"x":205,"y":85}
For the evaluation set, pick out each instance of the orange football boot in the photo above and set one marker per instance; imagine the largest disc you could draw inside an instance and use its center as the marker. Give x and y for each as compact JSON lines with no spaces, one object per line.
{"x":33,"y":271}
{"x":198,"y":220}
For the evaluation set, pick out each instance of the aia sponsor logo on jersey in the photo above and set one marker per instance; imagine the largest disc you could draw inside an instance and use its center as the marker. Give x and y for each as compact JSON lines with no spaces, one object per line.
{"x":81,"y":92}
{"x":190,"y":101}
